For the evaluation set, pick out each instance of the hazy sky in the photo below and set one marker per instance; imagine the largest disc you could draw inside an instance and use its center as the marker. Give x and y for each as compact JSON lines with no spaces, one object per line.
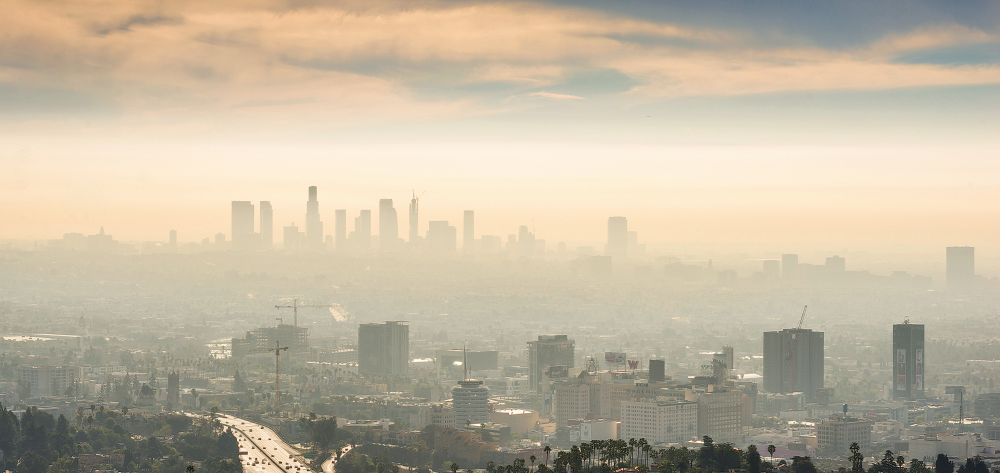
{"x":784,"y":123}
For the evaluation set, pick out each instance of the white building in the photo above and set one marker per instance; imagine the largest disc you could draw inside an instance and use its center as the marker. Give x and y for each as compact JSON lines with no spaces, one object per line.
{"x":471,"y":402}
{"x":660,"y":422}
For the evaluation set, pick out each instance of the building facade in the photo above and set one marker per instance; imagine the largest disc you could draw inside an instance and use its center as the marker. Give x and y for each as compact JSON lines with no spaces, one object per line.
{"x":548,"y":350}
{"x":659,"y":422}
{"x":720,"y":415}
{"x":807,"y":364}
{"x":908,"y":361}
{"x":384,"y":349}
{"x":838,"y":432}
{"x":471,"y":401}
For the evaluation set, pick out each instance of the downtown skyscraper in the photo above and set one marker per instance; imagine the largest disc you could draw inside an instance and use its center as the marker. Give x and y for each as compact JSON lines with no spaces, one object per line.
{"x":388,"y":226}
{"x":908,"y":361}
{"x":243,"y":225}
{"x":314,"y":227}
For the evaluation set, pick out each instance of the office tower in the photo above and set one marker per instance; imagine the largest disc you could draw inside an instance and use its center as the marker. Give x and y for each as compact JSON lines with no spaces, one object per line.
{"x":908,"y":361}
{"x":294,"y":239}
{"x":806,"y":375}
{"x":266,"y":225}
{"x":471,"y":402}
{"x":340,"y":240}
{"x":174,"y":389}
{"x":617,"y":237}
{"x":839,"y":431}
{"x":173,"y":239}
{"x":243,"y":225}
{"x":388,"y":226}
{"x":314,"y":227}
{"x":960,"y":267}
{"x":659,"y":422}
{"x":362,"y":235}
{"x":772,"y":270}
{"x":525,"y":242}
{"x":220,"y":240}
{"x":384,"y":349}
{"x":789,"y":267}
{"x":836,"y":264}
{"x":548,"y":350}
{"x":414,"y":217}
{"x":657,"y":371}
{"x":469,"y":231}
{"x":441,"y":237}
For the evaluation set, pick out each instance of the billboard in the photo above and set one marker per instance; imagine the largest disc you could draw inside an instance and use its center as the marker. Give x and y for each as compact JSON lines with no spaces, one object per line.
{"x":614,"y":358}
{"x":558,"y":371}
{"x":901,"y":382}
{"x":633,"y":364}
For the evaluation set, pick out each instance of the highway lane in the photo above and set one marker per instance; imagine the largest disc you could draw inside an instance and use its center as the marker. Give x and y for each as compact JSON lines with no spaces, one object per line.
{"x":265,"y":451}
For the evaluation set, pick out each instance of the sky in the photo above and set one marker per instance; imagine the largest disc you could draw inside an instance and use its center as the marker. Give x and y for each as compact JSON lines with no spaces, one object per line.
{"x":759,"y":123}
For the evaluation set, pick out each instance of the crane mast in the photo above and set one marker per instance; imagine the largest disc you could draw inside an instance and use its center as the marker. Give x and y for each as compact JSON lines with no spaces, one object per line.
{"x":790,"y":356}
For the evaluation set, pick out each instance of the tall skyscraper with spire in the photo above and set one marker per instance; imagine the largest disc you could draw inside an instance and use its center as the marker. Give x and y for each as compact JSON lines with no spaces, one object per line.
{"x":414,"y":214}
{"x":314,"y":227}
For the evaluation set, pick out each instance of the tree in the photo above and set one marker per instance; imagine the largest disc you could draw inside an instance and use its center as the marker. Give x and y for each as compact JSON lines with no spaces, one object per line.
{"x":802,"y":465}
{"x":547,"y":450}
{"x":770,"y":452}
{"x":943,"y":464}
{"x":454,"y":467}
{"x":32,"y":462}
{"x":857,"y":459}
{"x":753,"y":459}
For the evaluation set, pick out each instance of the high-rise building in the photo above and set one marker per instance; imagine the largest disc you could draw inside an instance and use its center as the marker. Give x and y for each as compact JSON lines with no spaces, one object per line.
{"x":388,"y":226}
{"x":266,"y":225}
{"x":772,"y":270}
{"x":908,"y":361}
{"x":340,"y":241}
{"x":837,"y":433}
{"x":617,"y":237}
{"x":960,"y":267}
{"x":384,"y":349}
{"x":471,"y":402}
{"x":243,"y":225}
{"x":441,"y":237}
{"x":548,"y":350}
{"x":294,"y":239}
{"x":46,"y":380}
{"x":173,"y":239}
{"x":789,"y":267}
{"x":659,"y":422}
{"x":806,"y":375}
{"x":414,"y":217}
{"x":174,"y":389}
{"x":836,"y":264}
{"x":314,"y":227}
{"x":469,"y":231}
{"x":657,"y":369}
{"x":362,"y":236}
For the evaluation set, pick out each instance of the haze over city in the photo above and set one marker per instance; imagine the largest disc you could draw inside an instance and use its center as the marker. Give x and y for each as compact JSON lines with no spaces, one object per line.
{"x":499,"y":237}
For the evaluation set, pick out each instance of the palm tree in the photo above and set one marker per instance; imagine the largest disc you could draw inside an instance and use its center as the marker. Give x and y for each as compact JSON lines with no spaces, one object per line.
{"x":770,"y":452}
{"x":532,"y":458}
{"x":547,"y":450}
{"x":190,"y":469}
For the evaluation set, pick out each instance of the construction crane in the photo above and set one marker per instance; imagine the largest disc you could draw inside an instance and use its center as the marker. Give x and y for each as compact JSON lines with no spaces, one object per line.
{"x":790,"y":356}
{"x":295,"y":310}
{"x":277,"y":374}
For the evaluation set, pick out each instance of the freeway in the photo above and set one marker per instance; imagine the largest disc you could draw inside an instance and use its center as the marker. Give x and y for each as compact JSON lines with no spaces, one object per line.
{"x":265,"y":451}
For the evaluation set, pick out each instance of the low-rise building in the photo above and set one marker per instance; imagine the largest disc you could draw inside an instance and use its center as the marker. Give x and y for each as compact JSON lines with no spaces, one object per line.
{"x":838,"y":432}
{"x":659,"y":422}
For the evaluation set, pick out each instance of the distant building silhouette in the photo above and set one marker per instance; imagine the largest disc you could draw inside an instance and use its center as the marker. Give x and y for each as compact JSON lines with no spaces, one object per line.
{"x":384,"y":349}
{"x":220,"y":241}
{"x":960,"y":268}
{"x":908,"y":361}
{"x":314,"y":227}
{"x":469,"y":231}
{"x":266,"y":225}
{"x":388,"y":226}
{"x":174,"y":389}
{"x":414,"y":218}
{"x":441,"y":237}
{"x":807,"y":362}
{"x":361,"y":238}
{"x":789,"y":267}
{"x":294,"y":239}
{"x":243,"y":225}
{"x":173,"y":239}
{"x":617,"y":237}
{"x":340,"y":240}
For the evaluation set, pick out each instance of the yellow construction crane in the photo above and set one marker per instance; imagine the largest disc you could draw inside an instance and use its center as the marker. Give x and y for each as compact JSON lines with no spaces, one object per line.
{"x":790,"y":356}
{"x":295,"y":309}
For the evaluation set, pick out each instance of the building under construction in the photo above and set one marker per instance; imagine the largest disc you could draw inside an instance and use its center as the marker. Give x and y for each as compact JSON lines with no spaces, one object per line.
{"x":263,"y":338}
{"x":802,"y":370}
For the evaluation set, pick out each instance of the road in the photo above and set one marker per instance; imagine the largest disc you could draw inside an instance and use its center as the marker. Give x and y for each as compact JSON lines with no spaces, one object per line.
{"x":330,"y":463}
{"x":265,"y":451}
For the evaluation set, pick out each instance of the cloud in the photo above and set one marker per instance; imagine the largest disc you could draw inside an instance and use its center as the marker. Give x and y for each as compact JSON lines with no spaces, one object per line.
{"x":351,"y":62}
{"x":550,"y":95}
